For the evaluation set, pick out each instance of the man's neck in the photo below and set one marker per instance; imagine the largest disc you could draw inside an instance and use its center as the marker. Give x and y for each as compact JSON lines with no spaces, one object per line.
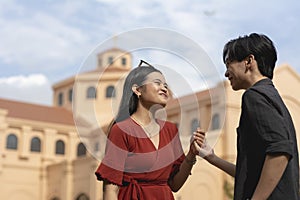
{"x":255,"y":79}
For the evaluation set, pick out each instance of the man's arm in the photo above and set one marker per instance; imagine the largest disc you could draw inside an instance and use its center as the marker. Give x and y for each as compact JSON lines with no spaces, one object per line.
{"x":222,"y":164}
{"x":207,"y":152}
{"x":272,"y":171}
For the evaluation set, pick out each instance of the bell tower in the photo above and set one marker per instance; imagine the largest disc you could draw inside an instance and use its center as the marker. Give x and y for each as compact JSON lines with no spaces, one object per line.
{"x":114,"y":58}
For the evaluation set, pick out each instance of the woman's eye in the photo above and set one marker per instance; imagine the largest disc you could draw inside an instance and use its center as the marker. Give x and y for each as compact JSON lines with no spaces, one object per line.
{"x":159,"y":83}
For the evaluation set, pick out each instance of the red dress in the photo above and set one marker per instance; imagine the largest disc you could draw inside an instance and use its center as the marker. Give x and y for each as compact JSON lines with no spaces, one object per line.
{"x":132,"y":161}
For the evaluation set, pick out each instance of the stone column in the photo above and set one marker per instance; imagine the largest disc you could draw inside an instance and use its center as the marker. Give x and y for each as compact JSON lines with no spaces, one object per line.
{"x":73,"y":141}
{"x":43,"y":182}
{"x":96,"y":191}
{"x":3,"y":127}
{"x":25,"y":142}
{"x":67,"y":181}
{"x":49,"y":145}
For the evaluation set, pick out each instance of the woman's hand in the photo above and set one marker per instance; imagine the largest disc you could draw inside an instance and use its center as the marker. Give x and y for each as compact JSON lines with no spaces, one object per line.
{"x":197,"y":140}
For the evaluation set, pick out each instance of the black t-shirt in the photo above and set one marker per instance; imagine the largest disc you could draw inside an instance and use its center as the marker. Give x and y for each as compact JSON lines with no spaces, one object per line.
{"x":265,"y":127}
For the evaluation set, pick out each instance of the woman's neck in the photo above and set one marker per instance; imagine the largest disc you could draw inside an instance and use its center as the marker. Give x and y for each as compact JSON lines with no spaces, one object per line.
{"x":143,"y":115}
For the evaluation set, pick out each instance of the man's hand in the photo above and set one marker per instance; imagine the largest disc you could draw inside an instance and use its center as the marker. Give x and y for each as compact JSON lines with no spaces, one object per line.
{"x":201,"y":145}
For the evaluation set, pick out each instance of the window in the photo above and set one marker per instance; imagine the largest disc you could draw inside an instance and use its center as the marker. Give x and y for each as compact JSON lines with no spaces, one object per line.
{"x":12,"y":141}
{"x":60,"y":99}
{"x":124,"y":61}
{"x":35,"y":145}
{"x":55,"y":198}
{"x":110,"y":91}
{"x":91,"y":93}
{"x":81,"y":150}
{"x":194,"y":125}
{"x":82,"y":197}
{"x":110,"y":60}
{"x":60,"y":147}
{"x":215,"y":122}
{"x":70,"y":95}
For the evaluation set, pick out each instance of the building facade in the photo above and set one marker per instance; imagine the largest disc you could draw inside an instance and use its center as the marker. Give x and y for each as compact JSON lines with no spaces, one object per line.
{"x":52,"y":152}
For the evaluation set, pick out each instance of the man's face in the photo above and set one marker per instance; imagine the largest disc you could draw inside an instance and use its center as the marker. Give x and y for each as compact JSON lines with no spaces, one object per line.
{"x":237,"y":74}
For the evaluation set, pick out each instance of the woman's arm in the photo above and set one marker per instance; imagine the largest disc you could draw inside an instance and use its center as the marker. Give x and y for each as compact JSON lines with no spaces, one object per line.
{"x":184,"y":171}
{"x":110,"y":191}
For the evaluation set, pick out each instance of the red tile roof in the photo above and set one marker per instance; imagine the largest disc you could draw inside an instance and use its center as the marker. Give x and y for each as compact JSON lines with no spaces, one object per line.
{"x":29,"y":111}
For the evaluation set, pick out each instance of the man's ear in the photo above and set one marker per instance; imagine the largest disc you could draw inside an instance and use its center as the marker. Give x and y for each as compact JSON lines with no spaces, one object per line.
{"x":250,"y":59}
{"x":249,"y":62}
{"x":135,"y":89}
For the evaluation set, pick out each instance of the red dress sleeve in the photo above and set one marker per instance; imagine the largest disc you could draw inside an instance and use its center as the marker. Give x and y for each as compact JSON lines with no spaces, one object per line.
{"x":112,"y":166}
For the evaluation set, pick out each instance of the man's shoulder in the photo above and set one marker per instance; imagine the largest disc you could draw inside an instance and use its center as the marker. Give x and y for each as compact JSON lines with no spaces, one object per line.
{"x":264,"y":87}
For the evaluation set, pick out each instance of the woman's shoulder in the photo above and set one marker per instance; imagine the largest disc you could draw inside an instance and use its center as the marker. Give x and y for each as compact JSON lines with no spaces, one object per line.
{"x":124,"y":124}
{"x":167,"y":124}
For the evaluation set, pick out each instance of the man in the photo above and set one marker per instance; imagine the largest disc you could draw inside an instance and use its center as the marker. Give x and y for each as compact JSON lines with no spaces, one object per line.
{"x":267,"y":165}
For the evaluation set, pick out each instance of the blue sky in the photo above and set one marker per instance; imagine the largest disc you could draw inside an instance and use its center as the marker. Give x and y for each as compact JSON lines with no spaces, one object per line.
{"x":43,"y":42}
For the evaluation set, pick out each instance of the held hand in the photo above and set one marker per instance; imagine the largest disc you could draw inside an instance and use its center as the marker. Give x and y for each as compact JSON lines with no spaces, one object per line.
{"x":205,"y":150}
{"x":201,"y":144}
{"x":199,"y":136}
{"x":194,"y":148}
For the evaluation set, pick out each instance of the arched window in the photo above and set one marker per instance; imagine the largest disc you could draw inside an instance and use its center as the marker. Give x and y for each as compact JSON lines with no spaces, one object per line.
{"x":215,"y":121}
{"x":35,"y":145}
{"x":110,"y":91}
{"x":124,"y":61}
{"x":194,"y":125}
{"x":70,"y":95}
{"x":81,"y":150}
{"x":60,"y":147}
{"x":12,"y":141}
{"x":60,"y":99}
{"x":110,"y":60}
{"x":82,"y":197}
{"x":91,"y":93}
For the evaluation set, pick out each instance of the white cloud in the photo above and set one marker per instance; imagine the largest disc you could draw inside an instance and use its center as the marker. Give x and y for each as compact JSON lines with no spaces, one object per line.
{"x":22,"y":81}
{"x":32,"y":88}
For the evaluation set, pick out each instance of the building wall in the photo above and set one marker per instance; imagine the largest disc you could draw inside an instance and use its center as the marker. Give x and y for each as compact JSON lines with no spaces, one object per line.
{"x":23,"y":172}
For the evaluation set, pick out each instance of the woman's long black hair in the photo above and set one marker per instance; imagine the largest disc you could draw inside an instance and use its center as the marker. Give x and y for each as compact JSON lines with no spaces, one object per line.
{"x":129,"y":100}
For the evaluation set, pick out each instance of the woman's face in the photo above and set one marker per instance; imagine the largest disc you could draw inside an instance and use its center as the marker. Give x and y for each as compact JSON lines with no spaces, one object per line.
{"x":154,"y":90}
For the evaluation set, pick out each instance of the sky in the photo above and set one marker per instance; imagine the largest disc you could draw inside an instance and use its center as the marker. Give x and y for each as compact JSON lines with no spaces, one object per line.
{"x":44,"y":42}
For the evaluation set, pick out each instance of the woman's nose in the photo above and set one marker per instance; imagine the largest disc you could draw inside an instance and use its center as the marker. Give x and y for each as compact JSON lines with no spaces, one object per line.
{"x":164,"y":88}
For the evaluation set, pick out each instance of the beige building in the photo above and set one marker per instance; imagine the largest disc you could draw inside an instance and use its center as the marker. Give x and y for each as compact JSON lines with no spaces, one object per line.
{"x":51,"y":152}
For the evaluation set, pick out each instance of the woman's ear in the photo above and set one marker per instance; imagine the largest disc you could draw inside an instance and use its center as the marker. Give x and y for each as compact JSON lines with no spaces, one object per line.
{"x":135,"y":90}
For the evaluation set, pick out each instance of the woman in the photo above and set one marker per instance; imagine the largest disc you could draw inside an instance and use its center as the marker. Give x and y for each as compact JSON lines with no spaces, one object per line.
{"x":144,"y":157}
